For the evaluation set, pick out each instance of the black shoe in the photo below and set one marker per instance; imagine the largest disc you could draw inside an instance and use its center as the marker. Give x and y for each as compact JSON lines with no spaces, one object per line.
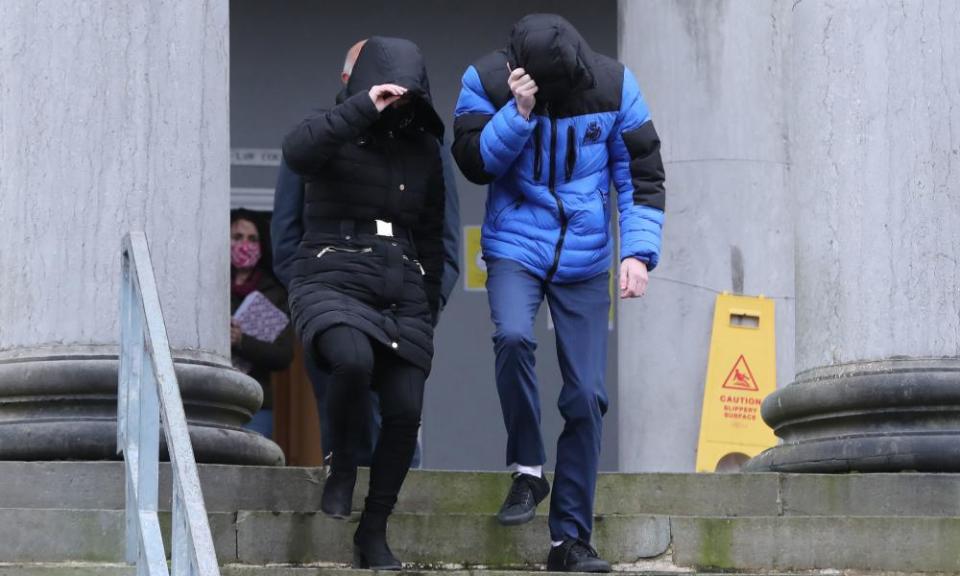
{"x":521,"y":503}
{"x":575,"y":556}
{"x":337,"y":498}
{"x":370,"y":549}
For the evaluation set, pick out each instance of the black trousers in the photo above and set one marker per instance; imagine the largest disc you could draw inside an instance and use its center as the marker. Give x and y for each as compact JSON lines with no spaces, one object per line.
{"x":357,"y":365}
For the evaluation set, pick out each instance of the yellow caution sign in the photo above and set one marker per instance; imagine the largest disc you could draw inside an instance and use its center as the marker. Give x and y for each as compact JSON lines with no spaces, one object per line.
{"x":740,"y":373}
{"x":475,"y":276}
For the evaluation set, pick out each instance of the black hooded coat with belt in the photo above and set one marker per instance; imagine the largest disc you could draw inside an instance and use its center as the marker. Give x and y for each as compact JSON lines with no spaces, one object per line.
{"x":361,"y":166}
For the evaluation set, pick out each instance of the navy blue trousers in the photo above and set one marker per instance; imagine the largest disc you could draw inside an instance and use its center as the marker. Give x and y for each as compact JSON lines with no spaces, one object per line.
{"x":580,"y":318}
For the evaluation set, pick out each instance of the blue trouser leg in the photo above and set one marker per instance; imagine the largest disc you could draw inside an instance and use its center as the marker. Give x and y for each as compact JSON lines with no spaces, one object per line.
{"x":262,"y":422}
{"x":515,"y":296}
{"x":580,"y":318}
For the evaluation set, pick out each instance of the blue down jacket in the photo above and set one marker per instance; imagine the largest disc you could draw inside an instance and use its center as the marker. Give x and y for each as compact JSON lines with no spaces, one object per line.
{"x":550,"y":178}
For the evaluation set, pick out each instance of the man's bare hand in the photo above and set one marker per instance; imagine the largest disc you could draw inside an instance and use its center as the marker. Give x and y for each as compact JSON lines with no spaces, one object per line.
{"x":633,"y":278}
{"x":523,"y":88}
{"x":236,"y":334}
{"x":384,"y":95}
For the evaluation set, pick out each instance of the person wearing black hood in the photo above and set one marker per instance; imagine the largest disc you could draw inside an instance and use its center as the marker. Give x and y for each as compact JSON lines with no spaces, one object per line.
{"x":550,"y":125}
{"x":286,"y":230}
{"x":365,"y":287}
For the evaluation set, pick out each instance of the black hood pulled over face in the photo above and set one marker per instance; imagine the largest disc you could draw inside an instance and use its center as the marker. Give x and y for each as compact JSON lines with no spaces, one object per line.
{"x":553,"y":53}
{"x":384,"y":60}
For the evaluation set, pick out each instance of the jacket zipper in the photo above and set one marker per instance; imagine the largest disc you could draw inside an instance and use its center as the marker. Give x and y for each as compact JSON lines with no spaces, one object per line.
{"x":328,"y":249}
{"x":571,"y":151}
{"x":417,"y":262}
{"x":538,"y":147}
{"x":556,"y":197}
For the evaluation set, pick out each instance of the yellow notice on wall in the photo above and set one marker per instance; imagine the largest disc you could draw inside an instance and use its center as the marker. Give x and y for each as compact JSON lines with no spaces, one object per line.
{"x":741,"y":372}
{"x":475,"y":274}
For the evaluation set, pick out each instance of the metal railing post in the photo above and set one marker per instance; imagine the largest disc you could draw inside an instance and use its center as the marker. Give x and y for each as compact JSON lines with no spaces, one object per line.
{"x":148,"y":394}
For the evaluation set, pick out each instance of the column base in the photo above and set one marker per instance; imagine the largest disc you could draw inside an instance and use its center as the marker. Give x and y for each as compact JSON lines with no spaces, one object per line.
{"x":884,"y":416}
{"x":62,"y":405}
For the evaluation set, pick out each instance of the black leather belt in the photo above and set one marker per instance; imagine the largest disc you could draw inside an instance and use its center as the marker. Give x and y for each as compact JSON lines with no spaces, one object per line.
{"x":347,"y":229}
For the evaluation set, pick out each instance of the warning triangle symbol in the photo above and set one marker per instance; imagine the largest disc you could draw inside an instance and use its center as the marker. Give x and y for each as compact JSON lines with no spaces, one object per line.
{"x":740,"y":377}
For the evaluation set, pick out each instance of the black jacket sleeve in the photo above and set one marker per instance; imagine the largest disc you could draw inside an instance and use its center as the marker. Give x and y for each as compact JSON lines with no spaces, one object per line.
{"x":271,"y":356}
{"x":451,"y":228}
{"x":286,"y":225}
{"x":311,"y":144}
{"x":428,"y":237}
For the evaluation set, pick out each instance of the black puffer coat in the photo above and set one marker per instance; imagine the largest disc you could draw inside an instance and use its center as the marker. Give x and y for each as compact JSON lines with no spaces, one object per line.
{"x":360,"y":166}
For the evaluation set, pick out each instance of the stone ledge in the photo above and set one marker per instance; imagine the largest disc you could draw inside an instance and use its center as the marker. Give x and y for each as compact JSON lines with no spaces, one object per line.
{"x":901,"y":544}
{"x":438,"y":540}
{"x":99,"y":485}
{"x":38,"y":535}
{"x":95,"y":569}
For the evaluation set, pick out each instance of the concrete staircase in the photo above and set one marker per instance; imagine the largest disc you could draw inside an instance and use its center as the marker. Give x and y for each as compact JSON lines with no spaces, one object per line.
{"x":66,"y":518}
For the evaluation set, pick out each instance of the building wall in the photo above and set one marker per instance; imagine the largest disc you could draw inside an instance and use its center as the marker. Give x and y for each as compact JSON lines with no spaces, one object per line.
{"x":286,"y":59}
{"x":714,"y":77}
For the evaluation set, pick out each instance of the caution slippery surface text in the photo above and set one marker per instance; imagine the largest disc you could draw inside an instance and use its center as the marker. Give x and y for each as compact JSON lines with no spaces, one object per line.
{"x":741,"y":371}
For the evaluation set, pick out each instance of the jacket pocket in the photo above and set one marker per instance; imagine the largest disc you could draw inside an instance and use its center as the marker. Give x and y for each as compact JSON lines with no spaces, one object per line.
{"x":506,"y":210}
{"x":416,"y":263}
{"x":605,"y":202}
{"x":342,"y":250}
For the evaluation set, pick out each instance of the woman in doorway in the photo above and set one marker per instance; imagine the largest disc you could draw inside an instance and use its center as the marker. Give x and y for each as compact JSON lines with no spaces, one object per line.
{"x":367,"y":273}
{"x":250,"y":272}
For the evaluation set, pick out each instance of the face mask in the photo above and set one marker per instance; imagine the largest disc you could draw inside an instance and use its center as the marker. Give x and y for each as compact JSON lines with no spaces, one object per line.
{"x":244,"y":255}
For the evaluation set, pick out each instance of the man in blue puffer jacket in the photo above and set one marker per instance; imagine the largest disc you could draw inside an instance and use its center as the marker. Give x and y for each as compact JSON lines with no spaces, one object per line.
{"x":550,"y":126}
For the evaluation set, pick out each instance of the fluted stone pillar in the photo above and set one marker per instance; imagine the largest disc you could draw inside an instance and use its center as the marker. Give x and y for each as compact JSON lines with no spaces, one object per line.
{"x":875,"y":168}
{"x":712,"y":73}
{"x":113,"y":117}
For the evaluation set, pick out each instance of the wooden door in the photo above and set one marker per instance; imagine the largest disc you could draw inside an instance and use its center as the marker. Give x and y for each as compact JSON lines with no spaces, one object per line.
{"x":296,"y":427}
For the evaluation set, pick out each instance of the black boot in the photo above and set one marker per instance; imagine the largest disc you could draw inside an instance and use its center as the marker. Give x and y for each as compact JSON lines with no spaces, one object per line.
{"x":370,"y":548}
{"x":337,"y":498}
{"x":520,"y":505}
{"x":575,"y":556}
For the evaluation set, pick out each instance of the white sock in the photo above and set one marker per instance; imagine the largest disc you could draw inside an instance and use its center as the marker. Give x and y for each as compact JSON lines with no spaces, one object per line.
{"x":530,"y":470}
{"x":555,"y":544}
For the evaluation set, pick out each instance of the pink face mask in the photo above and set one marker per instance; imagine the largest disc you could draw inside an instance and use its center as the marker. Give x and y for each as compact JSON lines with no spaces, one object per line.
{"x":244,"y":255}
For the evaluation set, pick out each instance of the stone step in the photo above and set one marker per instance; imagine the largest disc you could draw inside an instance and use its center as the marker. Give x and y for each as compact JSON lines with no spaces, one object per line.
{"x":262,"y":537}
{"x":781,"y":543}
{"x":105,"y":569}
{"x":99,"y":485}
{"x":437,"y":540}
{"x":900,"y":544}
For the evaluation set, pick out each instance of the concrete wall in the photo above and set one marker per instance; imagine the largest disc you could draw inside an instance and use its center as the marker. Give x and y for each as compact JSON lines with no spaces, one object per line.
{"x":876,"y":171}
{"x":112,"y":117}
{"x":286,"y":60}
{"x":713,"y":74}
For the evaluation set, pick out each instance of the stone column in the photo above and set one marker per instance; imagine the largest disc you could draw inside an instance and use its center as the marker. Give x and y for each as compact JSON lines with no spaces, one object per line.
{"x":875,"y":168}
{"x":114,"y":116}
{"x":712,"y":73}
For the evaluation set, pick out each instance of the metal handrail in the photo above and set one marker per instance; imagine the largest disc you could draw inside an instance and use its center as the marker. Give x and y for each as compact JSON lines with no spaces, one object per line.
{"x":148,"y":389}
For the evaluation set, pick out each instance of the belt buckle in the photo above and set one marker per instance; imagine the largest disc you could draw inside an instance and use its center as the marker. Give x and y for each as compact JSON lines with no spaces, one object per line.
{"x":384,"y":228}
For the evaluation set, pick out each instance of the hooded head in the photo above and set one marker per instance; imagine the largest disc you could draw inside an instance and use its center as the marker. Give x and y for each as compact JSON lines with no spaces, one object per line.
{"x":385,"y":60}
{"x":553,"y":53}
